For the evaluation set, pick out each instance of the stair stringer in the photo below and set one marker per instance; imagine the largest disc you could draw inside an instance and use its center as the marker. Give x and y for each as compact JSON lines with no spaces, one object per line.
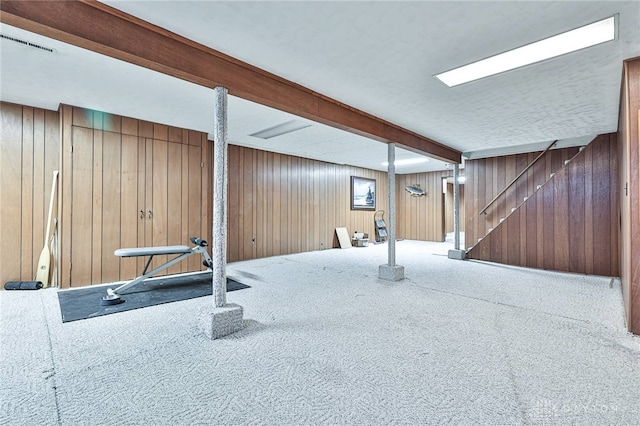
{"x":549,"y":248}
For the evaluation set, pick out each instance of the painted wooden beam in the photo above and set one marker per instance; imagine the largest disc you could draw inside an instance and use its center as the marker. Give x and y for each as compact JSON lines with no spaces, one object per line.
{"x":103,"y":29}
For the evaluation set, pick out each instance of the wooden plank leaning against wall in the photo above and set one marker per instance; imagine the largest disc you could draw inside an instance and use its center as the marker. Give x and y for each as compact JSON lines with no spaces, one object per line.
{"x":29,"y":146}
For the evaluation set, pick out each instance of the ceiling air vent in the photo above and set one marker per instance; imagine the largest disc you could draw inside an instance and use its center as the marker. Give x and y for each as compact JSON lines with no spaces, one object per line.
{"x":27,"y":43}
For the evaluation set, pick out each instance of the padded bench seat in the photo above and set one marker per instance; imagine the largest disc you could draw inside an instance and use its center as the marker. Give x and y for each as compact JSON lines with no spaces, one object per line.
{"x":151,"y":251}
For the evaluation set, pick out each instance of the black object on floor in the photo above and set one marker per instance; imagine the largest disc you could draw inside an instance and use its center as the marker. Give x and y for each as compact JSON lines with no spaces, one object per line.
{"x":85,"y":302}
{"x":23,"y":285}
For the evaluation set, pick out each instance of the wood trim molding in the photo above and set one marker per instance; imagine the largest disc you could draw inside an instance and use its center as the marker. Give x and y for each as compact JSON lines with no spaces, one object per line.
{"x":108,"y":31}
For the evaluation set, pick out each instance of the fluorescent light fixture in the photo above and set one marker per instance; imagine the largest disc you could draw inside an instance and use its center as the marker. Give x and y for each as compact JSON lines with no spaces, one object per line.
{"x":281,"y":129}
{"x":407,"y":162}
{"x":580,"y":38}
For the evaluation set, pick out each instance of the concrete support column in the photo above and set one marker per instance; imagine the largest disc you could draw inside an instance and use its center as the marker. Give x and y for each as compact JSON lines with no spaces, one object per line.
{"x":456,"y":253}
{"x":391,"y":229}
{"x":222,"y":318}
{"x":391,"y":271}
{"x":219,"y":237}
{"x":456,"y":206}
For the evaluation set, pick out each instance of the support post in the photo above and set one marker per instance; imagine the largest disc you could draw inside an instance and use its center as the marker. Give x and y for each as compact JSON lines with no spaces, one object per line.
{"x":456,"y":206}
{"x":456,"y":253}
{"x":391,"y":271}
{"x":219,"y":237}
{"x":222,"y":318}
{"x":391,"y":176}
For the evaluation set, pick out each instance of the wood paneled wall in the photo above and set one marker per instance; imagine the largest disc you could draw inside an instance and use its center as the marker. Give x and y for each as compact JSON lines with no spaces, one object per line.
{"x":280,"y":204}
{"x":29,"y":153}
{"x":570,"y":224}
{"x":128,"y":183}
{"x":421,"y":218}
{"x":629,"y":192}
{"x":109,"y":166}
{"x":486,"y":177}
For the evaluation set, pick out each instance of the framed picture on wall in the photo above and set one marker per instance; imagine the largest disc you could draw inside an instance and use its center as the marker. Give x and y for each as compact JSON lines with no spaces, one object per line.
{"x":363,"y":193}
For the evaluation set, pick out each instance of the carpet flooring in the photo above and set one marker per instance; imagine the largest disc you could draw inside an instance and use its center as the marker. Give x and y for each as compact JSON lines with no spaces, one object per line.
{"x":328,"y":343}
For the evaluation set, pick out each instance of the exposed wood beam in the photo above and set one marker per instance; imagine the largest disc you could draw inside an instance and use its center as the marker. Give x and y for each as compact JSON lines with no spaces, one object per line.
{"x":103,"y":29}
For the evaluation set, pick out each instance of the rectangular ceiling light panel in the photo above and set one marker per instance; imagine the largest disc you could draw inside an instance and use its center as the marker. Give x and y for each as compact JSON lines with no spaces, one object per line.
{"x":406,"y":162}
{"x":580,"y":38}
{"x":281,"y":129}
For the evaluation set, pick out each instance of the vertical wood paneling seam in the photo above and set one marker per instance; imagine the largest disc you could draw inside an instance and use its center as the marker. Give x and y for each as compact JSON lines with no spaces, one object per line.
{"x":189,"y":166}
{"x":102,"y":178}
{"x":120,"y":196}
{"x":615,"y":203}
{"x":93,"y":159}
{"x":34,"y":224}
{"x":32,"y":196}
{"x":71,"y":199}
{"x":61,"y":177}
{"x":21,"y":183}
{"x":65,"y":176}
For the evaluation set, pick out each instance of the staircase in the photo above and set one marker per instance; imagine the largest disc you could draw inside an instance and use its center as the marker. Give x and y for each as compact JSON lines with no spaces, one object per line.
{"x":538,"y":187}
{"x":573,"y":208}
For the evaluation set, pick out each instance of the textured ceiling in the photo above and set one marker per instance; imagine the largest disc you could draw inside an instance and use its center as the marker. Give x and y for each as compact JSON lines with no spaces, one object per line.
{"x":379,"y":57}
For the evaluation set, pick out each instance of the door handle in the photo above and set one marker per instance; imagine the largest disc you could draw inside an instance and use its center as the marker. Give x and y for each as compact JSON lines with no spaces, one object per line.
{"x":150,"y":214}
{"x":141,"y":214}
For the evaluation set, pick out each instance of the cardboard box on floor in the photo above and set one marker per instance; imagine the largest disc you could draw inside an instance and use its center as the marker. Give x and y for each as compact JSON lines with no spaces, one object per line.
{"x":360,"y":239}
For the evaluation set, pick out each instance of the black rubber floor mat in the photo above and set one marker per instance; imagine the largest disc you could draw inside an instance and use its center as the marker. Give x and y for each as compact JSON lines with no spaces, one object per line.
{"x":85,"y":302}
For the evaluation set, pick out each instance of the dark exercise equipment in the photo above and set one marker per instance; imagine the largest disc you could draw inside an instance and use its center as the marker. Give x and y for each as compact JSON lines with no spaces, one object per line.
{"x":23,"y":285}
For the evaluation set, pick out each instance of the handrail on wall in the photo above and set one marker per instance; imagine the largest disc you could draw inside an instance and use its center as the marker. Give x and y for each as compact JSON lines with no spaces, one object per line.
{"x":484,"y":210}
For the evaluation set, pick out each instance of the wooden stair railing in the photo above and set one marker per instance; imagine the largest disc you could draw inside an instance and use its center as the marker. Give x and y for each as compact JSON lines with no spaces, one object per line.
{"x":484,"y":210}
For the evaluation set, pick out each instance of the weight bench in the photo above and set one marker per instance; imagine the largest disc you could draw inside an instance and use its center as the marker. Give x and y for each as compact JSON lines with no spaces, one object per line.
{"x":113,"y":295}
